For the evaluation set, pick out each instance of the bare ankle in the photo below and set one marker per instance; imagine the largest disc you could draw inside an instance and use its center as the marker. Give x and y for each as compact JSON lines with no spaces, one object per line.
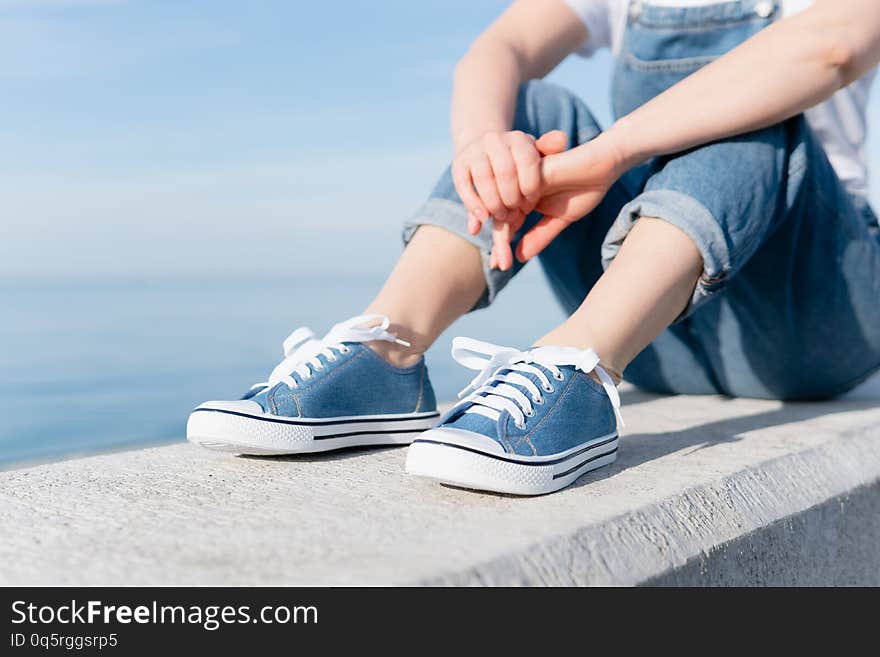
{"x":615,"y":374}
{"x":559,"y":339}
{"x":408,"y":350}
{"x":396,"y":354}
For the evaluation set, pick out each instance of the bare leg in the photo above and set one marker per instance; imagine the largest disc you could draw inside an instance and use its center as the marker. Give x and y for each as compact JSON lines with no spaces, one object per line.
{"x":438,"y":279}
{"x":646,"y":287}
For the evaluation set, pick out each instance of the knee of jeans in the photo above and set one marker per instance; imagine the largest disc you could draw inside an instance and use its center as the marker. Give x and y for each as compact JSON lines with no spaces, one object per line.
{"x":543,"y":106}
{"x":693,"y":219}
{"x":741,"y":176}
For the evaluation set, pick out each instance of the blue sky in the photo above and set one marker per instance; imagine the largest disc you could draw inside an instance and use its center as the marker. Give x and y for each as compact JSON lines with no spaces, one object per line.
{"x":164,"y":137}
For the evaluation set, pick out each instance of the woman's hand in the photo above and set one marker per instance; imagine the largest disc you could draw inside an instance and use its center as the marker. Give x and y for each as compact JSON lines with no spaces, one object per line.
{"x":575,"y":182}
{"x":572,"y":185}
{"x":498,"y":175}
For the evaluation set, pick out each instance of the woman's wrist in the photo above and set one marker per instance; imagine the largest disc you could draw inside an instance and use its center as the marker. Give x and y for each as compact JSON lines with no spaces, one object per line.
{"x":624,"y":144}
{"x":570,"y":169}
{"x":468,"y":136}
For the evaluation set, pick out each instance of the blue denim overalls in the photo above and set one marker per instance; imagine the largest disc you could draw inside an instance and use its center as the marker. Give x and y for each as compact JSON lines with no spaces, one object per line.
{"x":787,"y":305}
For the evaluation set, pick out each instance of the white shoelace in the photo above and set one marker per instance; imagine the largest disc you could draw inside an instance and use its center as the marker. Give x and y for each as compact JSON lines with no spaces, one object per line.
{"x":302,"y":350}
{"x":492,"y":391}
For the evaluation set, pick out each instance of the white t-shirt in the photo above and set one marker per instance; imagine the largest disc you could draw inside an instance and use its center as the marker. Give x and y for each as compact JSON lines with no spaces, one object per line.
{"x":839,"y":123}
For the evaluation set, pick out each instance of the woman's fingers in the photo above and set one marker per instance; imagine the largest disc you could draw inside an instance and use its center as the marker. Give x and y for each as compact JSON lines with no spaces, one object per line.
{"x":484,"y":181}
{"x":501,"y":251}
{"x":477,"y":213}
{"x":551,"y":143}
{"x":502,"y":236}
{"x":500,"y":176}
{"x":504,"y":171}
{"x":540,"y":236}
{"x":528,"y":169}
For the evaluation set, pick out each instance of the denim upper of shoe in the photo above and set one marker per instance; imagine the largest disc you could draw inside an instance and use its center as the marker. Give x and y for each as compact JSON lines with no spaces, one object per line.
{"x":339,"y":376}
{"x":578,"y":410}
{"x":570,"y":408}
{"x":359,"y":382}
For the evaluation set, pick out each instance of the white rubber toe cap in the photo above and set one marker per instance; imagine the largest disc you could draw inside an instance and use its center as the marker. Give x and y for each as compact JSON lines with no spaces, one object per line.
{"x":238,"y":406}
{"x":463,"y":438}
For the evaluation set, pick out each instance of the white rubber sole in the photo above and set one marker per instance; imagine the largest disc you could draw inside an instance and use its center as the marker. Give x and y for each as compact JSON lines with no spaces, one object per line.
{"x":466,"y":467}
{"x":261,"y":434}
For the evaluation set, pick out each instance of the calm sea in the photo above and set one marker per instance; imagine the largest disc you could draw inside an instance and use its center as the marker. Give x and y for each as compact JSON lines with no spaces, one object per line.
{"x":91,"y":365}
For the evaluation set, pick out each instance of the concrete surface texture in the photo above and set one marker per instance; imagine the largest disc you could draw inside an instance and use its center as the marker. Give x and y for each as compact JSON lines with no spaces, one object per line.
{"x":706,"y":490}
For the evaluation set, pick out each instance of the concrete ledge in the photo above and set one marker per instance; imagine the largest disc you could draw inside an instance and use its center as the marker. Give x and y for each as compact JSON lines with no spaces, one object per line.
{"x":706,"y":491}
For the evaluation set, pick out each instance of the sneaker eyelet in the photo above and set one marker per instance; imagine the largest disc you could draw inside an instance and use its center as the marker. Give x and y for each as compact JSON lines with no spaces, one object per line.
{"x":345,"y":350}
{"x":548,"y":389}
{"x":531,"y":413}
{"x":538,"y":401}
{"x":559,"y":377}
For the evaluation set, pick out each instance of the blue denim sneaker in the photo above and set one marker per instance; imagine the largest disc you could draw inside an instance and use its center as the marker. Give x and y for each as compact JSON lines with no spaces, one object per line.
{"x":532,"y":421}
{"x":326,"y":394}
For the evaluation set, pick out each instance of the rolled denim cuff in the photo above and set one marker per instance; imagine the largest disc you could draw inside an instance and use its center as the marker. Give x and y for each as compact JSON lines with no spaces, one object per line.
{"x":452,"y":216}
{"x":695,"y":220}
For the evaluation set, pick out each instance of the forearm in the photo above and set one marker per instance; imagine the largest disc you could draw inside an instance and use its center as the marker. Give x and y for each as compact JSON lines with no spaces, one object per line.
{"x":484,"y":95}
{"x":510,"y":52}
{"x":783,"y":70}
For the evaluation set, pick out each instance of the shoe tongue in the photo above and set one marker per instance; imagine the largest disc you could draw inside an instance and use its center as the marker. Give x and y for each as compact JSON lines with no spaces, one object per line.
{"x":553,"y":355}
